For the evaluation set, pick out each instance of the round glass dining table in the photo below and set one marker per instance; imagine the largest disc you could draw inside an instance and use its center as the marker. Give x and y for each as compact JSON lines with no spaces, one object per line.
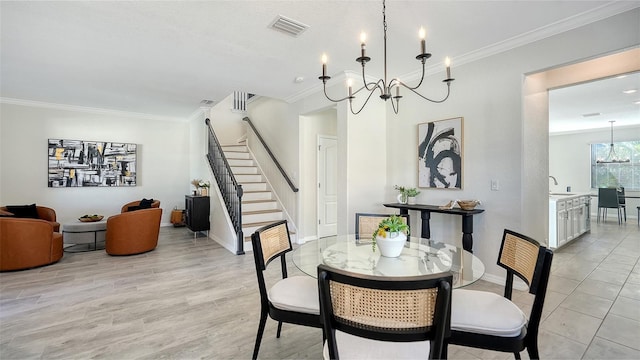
{"x":419,"y":257}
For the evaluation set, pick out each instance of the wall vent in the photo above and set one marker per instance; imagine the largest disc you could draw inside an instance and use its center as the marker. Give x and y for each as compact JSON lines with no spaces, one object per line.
{"x":591,"y":114}
{"x":288,"y":26}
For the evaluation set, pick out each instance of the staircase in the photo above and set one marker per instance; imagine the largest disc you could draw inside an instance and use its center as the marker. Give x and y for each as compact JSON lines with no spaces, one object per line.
{"x":259,"y":206}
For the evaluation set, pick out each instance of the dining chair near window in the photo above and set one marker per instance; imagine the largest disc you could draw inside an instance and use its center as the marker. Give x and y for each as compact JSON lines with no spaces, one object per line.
{"x":489,"y":321}
{"x":608,"y":199}
{"x":622,"y":201}
{"x":373,"y":317}
{"x":367,"y":224}
{"x":291,"y":299}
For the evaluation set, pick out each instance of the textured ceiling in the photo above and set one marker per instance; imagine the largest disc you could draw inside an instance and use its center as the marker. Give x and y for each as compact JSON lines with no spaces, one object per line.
{"x":163,"y":57}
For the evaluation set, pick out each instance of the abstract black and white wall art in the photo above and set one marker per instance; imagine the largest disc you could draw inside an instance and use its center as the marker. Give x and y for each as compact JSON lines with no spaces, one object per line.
{"x":440,"y":154}
{"x":80,"y":163}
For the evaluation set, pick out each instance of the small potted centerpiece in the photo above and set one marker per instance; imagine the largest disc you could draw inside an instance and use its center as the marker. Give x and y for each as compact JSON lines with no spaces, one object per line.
{"x":391,"y":236}
{"x":411,"y":195}
{"x":407,"y":195}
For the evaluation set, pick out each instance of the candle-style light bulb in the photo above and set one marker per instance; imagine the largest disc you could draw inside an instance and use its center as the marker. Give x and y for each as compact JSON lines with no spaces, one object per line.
{"x":363,"y":43}
{"x":324,"y":64}
{"x":422,"y":33}
{"x":447,"y":63}
{"x":350,"y":85}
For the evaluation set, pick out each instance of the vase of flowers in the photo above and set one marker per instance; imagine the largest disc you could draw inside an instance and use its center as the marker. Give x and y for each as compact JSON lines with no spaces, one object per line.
{"x":391,"y":236}
{"x":202,"y":187}
{"x":402,"y":197}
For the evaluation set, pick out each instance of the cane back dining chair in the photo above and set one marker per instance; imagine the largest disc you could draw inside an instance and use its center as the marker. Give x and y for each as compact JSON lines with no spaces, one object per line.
{"x":291,"y":299}
{"x":608,"y":199}
{"x":366,"y":224}
{"x":489,"y":321}
{"x":368,"y":316}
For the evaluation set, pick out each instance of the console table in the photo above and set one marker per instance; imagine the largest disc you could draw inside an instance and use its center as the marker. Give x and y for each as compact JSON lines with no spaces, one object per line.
{"x":425,"y":215}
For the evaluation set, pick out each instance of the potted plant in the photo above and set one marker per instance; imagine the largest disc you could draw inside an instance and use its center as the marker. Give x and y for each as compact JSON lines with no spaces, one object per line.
{"x":391,"y":235}
{"x":411,"y":195}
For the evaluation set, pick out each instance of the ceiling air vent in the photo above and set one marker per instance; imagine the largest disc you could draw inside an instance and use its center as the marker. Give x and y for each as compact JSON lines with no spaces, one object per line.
{"x":591,"y":114}
{"x":288,"y":26}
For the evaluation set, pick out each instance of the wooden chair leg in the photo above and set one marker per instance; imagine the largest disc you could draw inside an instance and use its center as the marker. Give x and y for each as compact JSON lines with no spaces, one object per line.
{"x":263,"y":322}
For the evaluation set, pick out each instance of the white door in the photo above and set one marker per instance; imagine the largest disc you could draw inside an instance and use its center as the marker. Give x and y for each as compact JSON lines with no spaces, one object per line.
{"x":327,"y":186}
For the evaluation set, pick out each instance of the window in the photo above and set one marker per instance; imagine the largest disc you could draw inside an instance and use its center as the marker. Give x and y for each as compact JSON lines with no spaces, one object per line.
{"x":617,"y":174}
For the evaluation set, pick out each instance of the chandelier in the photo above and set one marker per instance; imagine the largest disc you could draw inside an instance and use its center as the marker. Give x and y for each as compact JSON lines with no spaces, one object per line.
{"x":383,"y":85}
{"x":612,"y":158}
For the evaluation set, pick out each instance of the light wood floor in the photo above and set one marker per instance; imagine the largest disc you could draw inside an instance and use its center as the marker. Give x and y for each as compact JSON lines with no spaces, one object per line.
{"x":193,"y":299}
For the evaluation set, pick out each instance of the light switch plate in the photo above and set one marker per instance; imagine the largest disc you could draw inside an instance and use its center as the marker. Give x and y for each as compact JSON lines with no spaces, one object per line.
{"x":495,"y":185}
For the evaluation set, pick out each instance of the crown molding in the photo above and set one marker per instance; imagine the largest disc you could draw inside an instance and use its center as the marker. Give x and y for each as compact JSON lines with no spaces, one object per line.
{"x":602,"y":12}
{"x":45,"y":105}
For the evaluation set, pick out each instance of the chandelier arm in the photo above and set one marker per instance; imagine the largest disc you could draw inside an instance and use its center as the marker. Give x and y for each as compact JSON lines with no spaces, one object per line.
{"x":330,"y":99}
{"x":363,"y":105}
{"x":395,"y":110}
{"x":419,"y":84}
{"x":426,"y":98}
{"x":366,"y":84}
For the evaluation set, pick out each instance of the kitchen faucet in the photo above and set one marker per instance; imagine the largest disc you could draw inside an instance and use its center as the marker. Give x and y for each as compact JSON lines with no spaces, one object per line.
{"x":555,"y":182}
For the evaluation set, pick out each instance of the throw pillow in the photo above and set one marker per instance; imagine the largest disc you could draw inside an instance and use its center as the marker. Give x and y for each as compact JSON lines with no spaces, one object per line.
{"x":24,"y":211}
{"x":133,"y":208}
{"x":145,"y":203}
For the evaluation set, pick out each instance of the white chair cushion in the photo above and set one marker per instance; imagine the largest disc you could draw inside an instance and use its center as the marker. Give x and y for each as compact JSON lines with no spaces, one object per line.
{"x":354,"y":347}
{"x":487,"y":313}
{"x":296,"y":293}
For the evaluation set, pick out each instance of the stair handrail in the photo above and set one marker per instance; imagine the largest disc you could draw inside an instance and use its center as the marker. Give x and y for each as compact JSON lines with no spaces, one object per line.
{"x":229,"y":188}
{"x":275,"y":161}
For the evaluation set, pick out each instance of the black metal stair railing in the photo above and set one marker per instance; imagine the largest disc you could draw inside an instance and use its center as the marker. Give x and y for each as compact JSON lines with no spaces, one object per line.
{"x":229,"y":188}
{"x":273,"y":158}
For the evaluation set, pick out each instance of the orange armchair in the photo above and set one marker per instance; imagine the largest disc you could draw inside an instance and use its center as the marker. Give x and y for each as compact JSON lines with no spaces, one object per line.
{"x":44,"y":213}
{"x":125,"y":207}
{"x":28,"y":243}
{"x":133,"y":232}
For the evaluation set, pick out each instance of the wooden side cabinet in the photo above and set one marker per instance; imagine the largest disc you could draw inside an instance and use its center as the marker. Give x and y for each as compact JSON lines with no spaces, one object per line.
{"x":197,"y":212}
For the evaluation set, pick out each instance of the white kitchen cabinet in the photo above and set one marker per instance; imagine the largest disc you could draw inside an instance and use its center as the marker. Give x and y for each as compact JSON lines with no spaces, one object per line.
{"x":568,"y":218}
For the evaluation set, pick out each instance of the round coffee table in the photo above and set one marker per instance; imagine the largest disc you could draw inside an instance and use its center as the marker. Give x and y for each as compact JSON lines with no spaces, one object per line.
{"x":79,"y":234}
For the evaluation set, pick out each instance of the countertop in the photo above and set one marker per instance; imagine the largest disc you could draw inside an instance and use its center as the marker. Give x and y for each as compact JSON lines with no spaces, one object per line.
{"x":565,"y":196}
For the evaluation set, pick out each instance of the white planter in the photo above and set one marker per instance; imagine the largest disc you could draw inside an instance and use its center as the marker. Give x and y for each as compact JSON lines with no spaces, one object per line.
{"x":411,"y":200}
{"x":392,"y":245}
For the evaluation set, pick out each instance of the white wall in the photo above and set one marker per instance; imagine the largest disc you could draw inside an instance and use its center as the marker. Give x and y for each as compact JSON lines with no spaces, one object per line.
{"x":228,"y":125}
{"x":163,"y":167}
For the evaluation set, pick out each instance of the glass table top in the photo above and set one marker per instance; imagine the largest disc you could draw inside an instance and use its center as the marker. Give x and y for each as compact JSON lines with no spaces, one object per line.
{"x":419,"y":257}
